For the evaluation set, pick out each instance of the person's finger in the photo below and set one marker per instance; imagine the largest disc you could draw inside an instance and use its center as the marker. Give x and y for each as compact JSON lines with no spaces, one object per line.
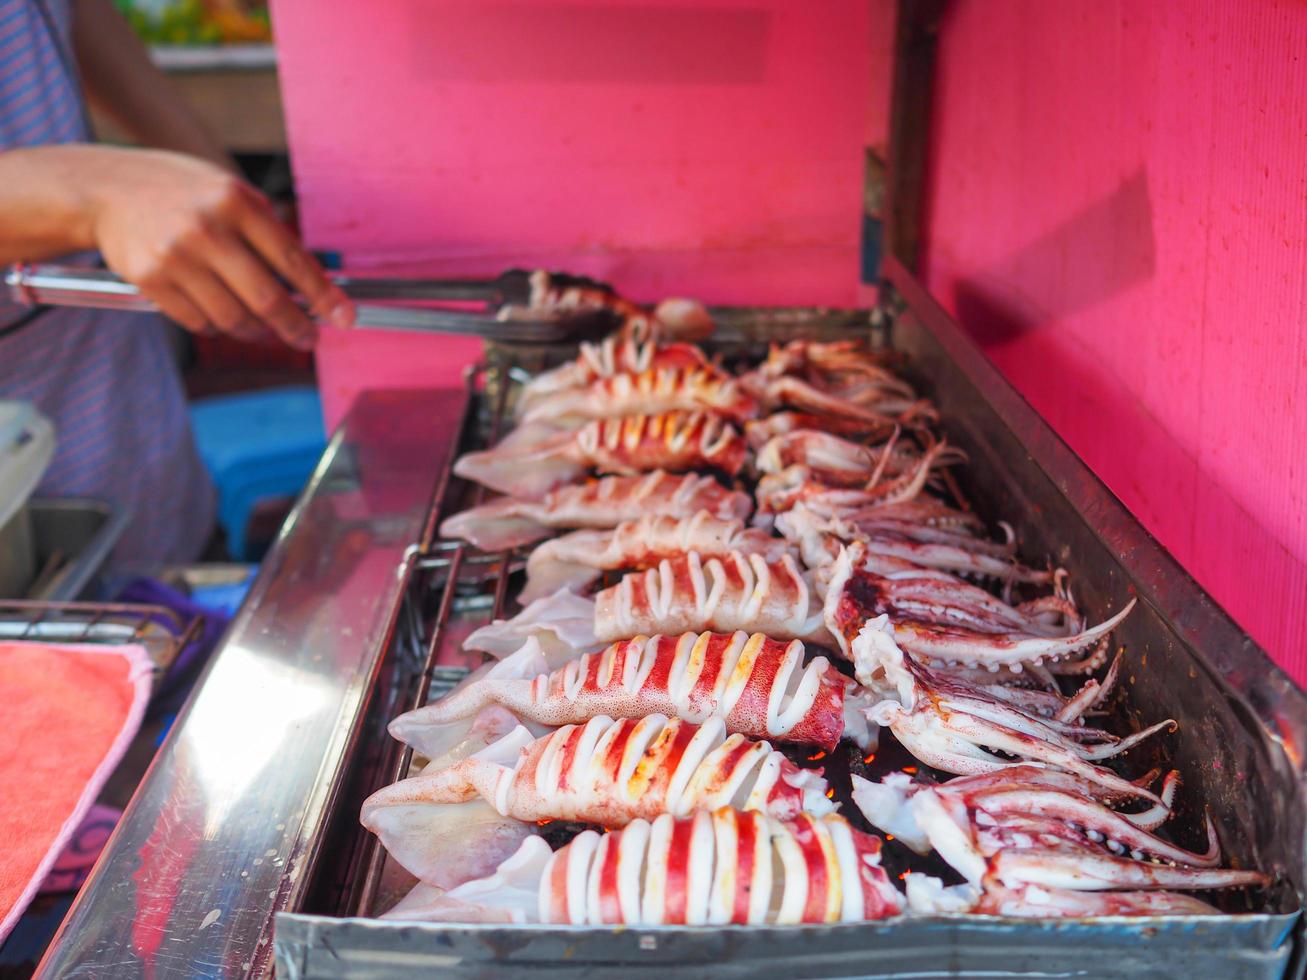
{"x":255,"y":286}
{"x":218,"y":303}
{"x":273,"y":240}
{"x":176,"y":306}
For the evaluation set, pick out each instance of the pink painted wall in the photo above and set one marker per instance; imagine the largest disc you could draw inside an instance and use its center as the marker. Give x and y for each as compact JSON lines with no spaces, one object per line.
{"x":670,"y":146}
{"x":1118,"y":214}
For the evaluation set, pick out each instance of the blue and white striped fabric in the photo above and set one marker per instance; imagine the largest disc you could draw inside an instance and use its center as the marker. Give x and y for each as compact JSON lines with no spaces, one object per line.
{"x":106,"y":380}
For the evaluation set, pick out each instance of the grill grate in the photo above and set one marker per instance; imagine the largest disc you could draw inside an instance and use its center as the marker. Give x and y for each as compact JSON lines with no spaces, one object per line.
{"x":1228,"y":761}
{"x":459,"y":582}
{"x":443,"y":562}
{"x":161,"y":631}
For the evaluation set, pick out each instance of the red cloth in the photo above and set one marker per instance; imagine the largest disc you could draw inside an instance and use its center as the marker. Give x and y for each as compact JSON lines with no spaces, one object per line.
{"x":67,"y":714}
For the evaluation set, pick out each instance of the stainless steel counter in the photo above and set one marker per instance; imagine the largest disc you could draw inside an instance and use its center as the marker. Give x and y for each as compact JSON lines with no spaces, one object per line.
{"x":222,"y":836}
{"x":219,"y":838}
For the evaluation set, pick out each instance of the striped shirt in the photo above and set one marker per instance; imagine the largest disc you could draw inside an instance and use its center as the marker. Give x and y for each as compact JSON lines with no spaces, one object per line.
{"x":107,"y":380}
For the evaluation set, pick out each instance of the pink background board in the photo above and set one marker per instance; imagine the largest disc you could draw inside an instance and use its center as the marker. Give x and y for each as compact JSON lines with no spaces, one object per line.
{"x":1118,"y":214}
{"x":704,"y":149}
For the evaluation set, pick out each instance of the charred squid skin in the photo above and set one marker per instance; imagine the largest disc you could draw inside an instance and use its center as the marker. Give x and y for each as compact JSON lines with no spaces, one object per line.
{"x":577,"y":559}
{"x":671,"y":440}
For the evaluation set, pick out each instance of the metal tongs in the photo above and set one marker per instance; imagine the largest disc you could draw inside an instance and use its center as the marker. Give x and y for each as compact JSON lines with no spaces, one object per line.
{"x":507,"y":316}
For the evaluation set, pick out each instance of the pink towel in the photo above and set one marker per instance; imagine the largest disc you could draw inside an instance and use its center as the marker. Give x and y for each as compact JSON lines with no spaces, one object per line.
{"x":67,"y":715}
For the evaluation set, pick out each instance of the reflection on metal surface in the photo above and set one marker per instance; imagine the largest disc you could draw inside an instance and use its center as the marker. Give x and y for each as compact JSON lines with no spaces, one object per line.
{"x":231,"y":758}
{"x":908,"y":949}
{"x":224,"y":828}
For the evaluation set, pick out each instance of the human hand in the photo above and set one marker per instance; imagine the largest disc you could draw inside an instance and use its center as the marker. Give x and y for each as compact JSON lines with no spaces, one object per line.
{"x":207,"y":248}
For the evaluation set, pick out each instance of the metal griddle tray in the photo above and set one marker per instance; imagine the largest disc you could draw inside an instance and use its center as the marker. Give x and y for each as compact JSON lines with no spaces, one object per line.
{"x":1241,"y":721}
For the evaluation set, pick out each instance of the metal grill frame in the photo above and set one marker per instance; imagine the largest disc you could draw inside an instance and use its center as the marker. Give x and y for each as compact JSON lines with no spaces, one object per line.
{"x":443,"y":561}
{"x":1254,"y":944}
{"x":108,"y":623}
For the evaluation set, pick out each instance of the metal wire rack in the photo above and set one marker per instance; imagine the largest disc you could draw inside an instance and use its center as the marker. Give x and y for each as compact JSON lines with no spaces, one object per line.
{"x":444,"y":563}
{"x":455,"y":585}
{"x":161,"y":631}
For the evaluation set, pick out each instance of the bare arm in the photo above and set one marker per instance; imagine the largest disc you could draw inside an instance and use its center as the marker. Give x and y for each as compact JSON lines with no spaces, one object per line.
{"x":123,"y":83}
{"x":205,"y":246}
{"x":45,"y":202}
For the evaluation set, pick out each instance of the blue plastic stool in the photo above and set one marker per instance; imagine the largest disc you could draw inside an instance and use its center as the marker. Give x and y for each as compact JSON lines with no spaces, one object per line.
{"x":256,"y":446}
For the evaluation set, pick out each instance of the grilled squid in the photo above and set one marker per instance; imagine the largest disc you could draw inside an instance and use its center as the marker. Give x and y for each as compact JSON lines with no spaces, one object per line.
{"x":839,"y":380}
{"x":612,"y":771}
{"x":960,"y":729}
{"x":778,"y":492}
{"x":843,"y":368}
{"x":604,"y":503}
{"x":761,"y":431}
{"x":614,"y":355}
{"x":730,"y":592}
{"x":836,"y":462}
{"x":1021,"y":831}
{"x":758,"y":686}
{"x":562,"y":624}
{"x":575,"y":560}
{"x":888,"y":804}
{"x":648,"y":392}
{"x":718,"y":868}
{"x":949,"y":622}
{"x":795,"y":393}
{"x":537,"y":458}
{"x":882,"y":546}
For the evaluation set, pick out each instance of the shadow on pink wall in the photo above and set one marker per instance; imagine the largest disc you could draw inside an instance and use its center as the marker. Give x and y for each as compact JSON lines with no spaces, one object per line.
{"x":1123,"y":218}
{"x":1142,"y":187}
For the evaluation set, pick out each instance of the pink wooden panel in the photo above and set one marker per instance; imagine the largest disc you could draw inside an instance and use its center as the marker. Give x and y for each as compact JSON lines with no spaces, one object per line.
{"x":702,"y":148}
{"x":1118,"y":213}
